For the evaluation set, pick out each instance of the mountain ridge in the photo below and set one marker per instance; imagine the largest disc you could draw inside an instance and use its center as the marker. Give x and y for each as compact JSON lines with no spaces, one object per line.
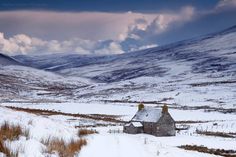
{"x":6,"y":60}
{"x":62,"y":63}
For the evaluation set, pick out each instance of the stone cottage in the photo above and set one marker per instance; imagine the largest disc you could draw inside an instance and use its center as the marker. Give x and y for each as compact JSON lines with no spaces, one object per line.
{"x":152,"y":121}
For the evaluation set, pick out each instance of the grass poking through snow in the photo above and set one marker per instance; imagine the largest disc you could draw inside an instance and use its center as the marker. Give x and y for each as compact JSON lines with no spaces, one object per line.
{"x":84,"y":132}
{"x":8,"y":152}
{"x":63,"y":148}
{"x":11,"y":132}
{"x":4,"y":149}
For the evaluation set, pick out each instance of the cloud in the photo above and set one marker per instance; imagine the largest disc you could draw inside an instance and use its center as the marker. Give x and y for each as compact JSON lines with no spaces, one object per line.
{"x":18,"y":43}
{"x":51,"y":25}
{"x":222,"y":6}
{"x":225,"y":5}
{"x":112,"y":48}
{"x":136,"y":31}
{"x":23,"y":44}
{"x":142,"y":32}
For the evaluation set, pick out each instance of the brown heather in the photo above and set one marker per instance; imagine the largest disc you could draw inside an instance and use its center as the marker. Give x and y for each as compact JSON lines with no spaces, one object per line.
{"x":10,"y":132}
{"x":63,"y":148}
{"x":84,"y":132}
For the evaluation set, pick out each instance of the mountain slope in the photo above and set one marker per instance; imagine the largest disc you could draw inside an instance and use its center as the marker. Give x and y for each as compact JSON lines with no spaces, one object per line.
{"x":29,"y":84}
{"x":6,"y":60}
{"x":212,"y":54}
{"x":195,"y":72}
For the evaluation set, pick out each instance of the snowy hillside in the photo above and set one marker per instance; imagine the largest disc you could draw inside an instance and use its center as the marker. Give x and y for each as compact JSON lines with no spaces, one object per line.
{"x":19,"y":83}
{"x":196,"y":72}
{"x":6,"y":60}
{"x":212,"y":54}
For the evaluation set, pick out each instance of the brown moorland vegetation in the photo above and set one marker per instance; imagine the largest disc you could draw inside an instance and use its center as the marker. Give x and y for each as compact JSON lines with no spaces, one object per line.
{"x":4,"y":149}
{"x":102,"y":117}
{"x":219,"y":134}
{"x":221,"y":152}
{"x":63,"y":148}
{"x":84,"y":132}
{"x":10,"y":132}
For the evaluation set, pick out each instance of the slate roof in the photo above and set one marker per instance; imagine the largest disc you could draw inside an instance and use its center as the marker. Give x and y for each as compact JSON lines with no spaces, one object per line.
{"x":148,"y":115}
{"x":135,"y":124}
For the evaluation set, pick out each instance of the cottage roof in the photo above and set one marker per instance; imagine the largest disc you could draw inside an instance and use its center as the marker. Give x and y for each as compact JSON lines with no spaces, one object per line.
{"x":135,"y":124}
{"x":148,"y":115}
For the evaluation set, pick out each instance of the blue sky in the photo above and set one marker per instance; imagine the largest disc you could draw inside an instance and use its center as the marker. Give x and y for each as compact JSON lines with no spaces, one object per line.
{"x":106,"y":26}
{"x":105,"y":5}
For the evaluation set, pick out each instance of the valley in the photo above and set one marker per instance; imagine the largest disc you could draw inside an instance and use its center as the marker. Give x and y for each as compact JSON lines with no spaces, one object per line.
{"x":58,"y":95}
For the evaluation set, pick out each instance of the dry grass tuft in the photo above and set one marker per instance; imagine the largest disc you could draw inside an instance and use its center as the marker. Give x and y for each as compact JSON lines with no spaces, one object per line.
{"x":26,"y":133}
{"x":5,"y":150}
{"x":84,"y":132}
{"x":10,"y":132}
{"x":63,"y":148}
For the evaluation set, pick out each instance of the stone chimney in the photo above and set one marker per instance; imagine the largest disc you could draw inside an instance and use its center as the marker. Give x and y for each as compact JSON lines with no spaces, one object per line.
{"x":165,"y":109}
{"x":140,"y":106}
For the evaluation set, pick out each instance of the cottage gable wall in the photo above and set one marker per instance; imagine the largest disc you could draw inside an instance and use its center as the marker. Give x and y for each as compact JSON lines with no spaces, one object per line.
{"x":165,"y":126}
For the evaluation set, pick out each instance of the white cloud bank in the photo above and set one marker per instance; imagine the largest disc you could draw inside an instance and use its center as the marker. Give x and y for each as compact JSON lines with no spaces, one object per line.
{"x":23,"y":44}
{"x":142,"y":33}
{"x":139,"y":32}
{"x":225,"y":4}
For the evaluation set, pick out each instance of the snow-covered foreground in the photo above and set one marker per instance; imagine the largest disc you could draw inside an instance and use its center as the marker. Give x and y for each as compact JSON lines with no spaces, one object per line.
{"x":111,"y":141}
{"x":127,"y":145}
{"x":40,"y":127}
{"x":123,"y":145}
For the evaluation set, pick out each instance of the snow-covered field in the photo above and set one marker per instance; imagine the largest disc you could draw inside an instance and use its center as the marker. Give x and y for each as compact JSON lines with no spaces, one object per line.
{"x":40,"y":127}
{"x":125,"y":110}
{"x":111,"y":141}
